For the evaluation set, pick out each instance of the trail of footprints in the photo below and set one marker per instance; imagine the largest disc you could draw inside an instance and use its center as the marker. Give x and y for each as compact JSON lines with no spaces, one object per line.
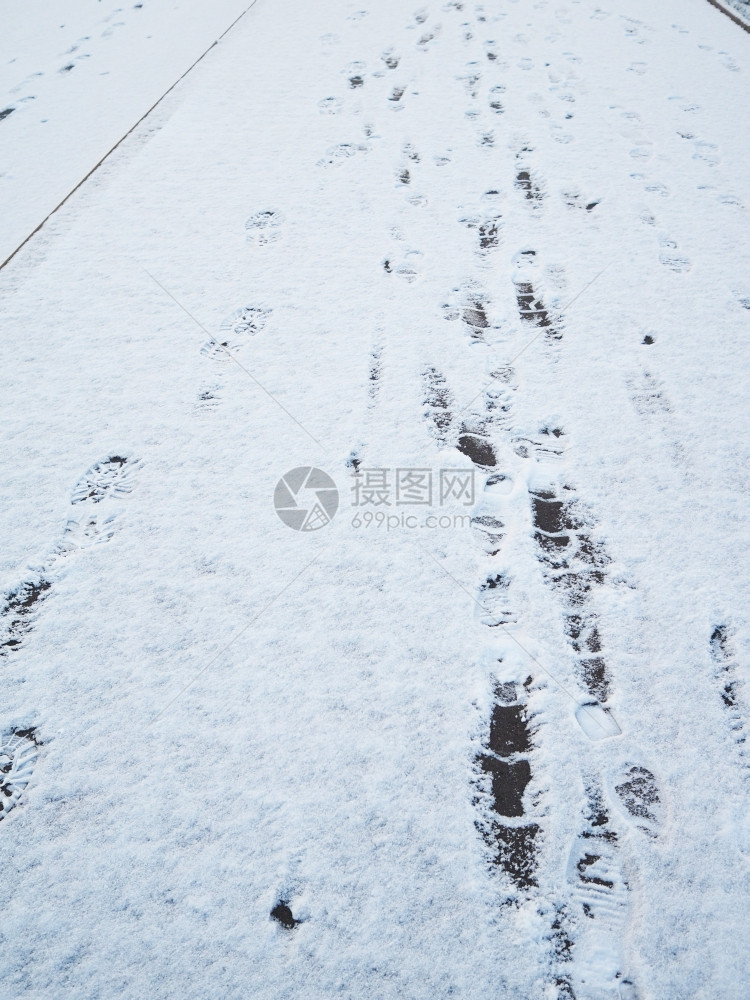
{"x":587,"y":924}
{"x":107,"y":480}
{"x":587,"y":927}
{"x":726,"y":674}
{"x":261,"y":229}
{"x":92,"y":521}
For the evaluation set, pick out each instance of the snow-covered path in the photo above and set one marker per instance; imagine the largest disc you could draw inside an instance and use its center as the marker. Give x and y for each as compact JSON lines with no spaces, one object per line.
{"x":496,"y":750}
{"x":69,"y":91}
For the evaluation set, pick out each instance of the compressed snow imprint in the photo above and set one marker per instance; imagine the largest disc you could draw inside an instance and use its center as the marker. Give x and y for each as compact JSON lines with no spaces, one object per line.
{"x":18,"y":754}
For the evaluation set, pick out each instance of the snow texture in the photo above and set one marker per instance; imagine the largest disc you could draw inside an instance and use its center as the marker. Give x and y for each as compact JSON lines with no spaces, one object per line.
{"x":499,"y":753}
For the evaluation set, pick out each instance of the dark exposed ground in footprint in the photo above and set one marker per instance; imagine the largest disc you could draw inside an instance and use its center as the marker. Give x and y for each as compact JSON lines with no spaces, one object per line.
{"x":496,"y":104}
{"x":439,"y":405}
{"x":639,"y":794}
{"x":17,"y":613}
{"x":509,"y":781}
{"x":18,"y":754}
{"x":427,"y":38}
{"x":5,"y":112}
{"x":474,"y":314}
{"x":532,"y":310}
{"x":478,"y":448}
{"x":574,"y":564}
{"x":488,"y":236}
{"x":505,"y":760}
{"x":574,"y":200}
{"x":530,"y":188}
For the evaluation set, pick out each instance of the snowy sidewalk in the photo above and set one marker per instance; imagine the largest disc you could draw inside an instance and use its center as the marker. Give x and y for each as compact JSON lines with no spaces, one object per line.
{"x":498,"y":755}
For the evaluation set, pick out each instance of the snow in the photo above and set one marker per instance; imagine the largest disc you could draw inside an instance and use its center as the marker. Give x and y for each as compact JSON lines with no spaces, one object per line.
{"x":230,"y":715}
{"x":77,"y":77}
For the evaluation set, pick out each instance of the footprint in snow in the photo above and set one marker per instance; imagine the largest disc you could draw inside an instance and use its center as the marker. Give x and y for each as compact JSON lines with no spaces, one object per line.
{"x":330,"y":106}
{"x":18,"y":754}
{"x":111,"y":477}
{"x":476,"y":445}
{"x":18,"y":613}
{"x":505,"y":759}
{"x":648,"y":395}
{"x":209,"y":398}
{"x":235,"y":332}
{"x":439,"y":406}
{"x":395,"y":99}
{"x":336,"y":156}
{"x":728,"y":676}
{"x":574,"y":199}
{"x":407,"y":267}
{"x":670,"y":258}
{"x":488,"y":232}
{"x":600,"y":908}
{"x":470,"y":302}
{"x":94,"y":528}
{"x":496,"y":103}
{"x":107,"y":479}
{"x":706,"y":151}
{"x":638,"y":794}
{"x":264,"y":227}
{"x":531,"y":189}
{"x":493,"y":605}
{"x":573,"y":563}
{"x":246,"y":322}
{"x":428,"y":37}
{"x":656,"y":187}
{"x":355,"y":71}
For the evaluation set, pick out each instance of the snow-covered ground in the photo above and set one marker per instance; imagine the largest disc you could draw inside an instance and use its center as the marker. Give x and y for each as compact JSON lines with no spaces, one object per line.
{"x":74,"y":78}
{"x":488,"y":747}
